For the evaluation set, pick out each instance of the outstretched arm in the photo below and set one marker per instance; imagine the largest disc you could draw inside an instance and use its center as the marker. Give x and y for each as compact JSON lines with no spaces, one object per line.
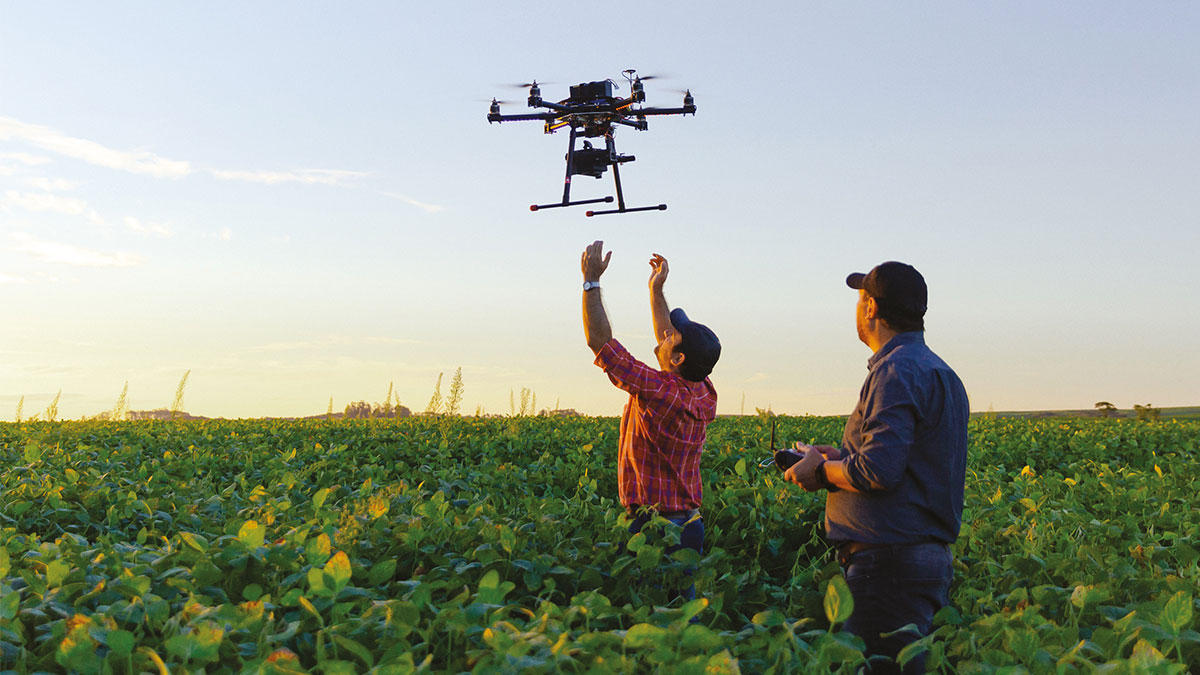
{"x":659,"y":311}
{"x":595,"y":320}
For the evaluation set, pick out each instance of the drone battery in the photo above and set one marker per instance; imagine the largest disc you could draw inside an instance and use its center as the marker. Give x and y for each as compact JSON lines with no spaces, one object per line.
{"x":590,"y":91}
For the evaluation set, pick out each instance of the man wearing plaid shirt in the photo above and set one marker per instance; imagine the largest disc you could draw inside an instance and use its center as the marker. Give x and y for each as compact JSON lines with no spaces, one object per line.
{"x":663,"y":424}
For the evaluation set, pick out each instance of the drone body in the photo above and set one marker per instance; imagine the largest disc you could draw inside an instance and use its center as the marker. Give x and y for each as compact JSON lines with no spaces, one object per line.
{"x":592,"y":111}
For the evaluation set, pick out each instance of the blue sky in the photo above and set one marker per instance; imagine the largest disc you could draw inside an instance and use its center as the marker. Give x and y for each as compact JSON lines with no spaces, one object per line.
{"x":298,"y":201}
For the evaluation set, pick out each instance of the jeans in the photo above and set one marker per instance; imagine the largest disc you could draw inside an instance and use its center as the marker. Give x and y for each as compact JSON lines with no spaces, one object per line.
{"x":691,"y":537}
{"x":893,"y":586}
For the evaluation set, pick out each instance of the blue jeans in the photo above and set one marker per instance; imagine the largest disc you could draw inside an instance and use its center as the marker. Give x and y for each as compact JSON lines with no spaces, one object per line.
{"x":893,"y":586}
{"x":691,"y":537}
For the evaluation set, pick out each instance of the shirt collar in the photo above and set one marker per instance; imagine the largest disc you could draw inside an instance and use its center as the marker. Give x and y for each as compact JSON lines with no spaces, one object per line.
{"x":914,"y":337}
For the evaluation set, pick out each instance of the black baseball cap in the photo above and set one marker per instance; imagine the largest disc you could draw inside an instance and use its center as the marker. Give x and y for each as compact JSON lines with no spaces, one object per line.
{"x":698,"y":343}
{"x":898,"y":289}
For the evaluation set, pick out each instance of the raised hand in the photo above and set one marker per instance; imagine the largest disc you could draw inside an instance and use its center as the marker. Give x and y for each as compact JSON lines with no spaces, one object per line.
{"x":658,"y":272}
{"x":594,"y":262}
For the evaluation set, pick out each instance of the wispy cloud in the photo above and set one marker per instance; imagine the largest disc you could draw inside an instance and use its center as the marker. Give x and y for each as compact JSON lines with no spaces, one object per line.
{"x":225,"y":234}
{"x":148,"y":163}
{"x":51,"y":140}
{"x":757,"y":377}
{"x":51,"y":184}
{"x":304,"y":176}
{"x":45,"y":202}
{"x":427,"y":208}
{"x":69,"y":254}
{"x":48,"y":202}
{"x":24,"y":158}
{"x":155,"y":229}
{"x":7,"y":279}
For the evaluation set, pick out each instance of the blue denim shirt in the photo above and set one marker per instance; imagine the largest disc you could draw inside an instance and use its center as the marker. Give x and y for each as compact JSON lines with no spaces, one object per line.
{"x":906,"y":445}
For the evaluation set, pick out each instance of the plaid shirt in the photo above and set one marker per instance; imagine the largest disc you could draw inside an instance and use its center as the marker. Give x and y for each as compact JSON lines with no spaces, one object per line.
{"x":662,"y":432}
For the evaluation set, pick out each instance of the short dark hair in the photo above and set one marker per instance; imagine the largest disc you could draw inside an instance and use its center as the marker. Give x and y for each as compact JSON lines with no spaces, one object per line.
{"x":899,"y":321}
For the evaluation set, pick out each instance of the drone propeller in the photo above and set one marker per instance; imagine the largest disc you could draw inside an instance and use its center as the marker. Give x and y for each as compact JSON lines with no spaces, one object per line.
{"x":524,"y":85}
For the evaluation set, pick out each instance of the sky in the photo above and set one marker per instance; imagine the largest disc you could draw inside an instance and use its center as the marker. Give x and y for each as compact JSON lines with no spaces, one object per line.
{"x":303,"y":202}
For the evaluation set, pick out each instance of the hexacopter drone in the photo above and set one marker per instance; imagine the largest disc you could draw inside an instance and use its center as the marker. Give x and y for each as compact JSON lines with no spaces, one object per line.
{"x":591,"y":111}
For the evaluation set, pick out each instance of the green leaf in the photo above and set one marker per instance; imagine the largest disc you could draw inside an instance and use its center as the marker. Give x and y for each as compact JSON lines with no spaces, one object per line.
{"x":740,"y":467}
{"x":508,"y":539}
{"x":316,"y":581}
{"x":252,"y":592}
{"x":839,"y":604}
{"x":319,"y":498}
{"x":769,"y":618}
{"x":5,"y":564}
{"x":318,"y":549}
{"x":121,"y":642}
{"x":356,"y":649}
{"x":636,"y":542}
{"x":252,"y":534}
{"x":722,"y":663}
{"x":77,"y":652}
{"x":646,"y":635}
{"x":692,"y":608}
{"x":308,"y":607}
{"x":492,"y":590}
{"x":1177,"y":614}
{"x":700,"y":638}
{"x":56,"y":572}
{"x":194,"y":541}
{"x":382,"y":572}
{"x":338,"y":569}
{"x":10,"y":602}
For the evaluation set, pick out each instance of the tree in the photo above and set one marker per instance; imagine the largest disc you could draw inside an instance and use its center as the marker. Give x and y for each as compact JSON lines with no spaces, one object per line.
{"x":1106,"y":409}
{"x":357,"y":410}
{"x":1146,"y":412}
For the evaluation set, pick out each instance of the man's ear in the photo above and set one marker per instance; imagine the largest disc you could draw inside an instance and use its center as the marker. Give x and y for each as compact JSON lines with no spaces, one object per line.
{"x":677,"y":358}
{"x":871,"y":309}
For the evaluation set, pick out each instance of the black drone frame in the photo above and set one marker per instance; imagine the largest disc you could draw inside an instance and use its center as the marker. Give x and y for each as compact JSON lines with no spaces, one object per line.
{"x":591,"y":111}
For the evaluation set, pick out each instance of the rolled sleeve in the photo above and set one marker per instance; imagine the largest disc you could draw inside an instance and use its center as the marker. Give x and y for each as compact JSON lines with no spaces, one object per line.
{"x":626,"y":372}
{"x":888,"y":430}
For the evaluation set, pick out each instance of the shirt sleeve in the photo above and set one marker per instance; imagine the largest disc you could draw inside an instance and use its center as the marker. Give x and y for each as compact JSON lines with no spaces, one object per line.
{"x":888,"y":433}
{"x":626,"y":372}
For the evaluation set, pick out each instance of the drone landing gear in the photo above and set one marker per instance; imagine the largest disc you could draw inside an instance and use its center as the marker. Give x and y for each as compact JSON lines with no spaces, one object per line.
{"x":621,"y":197}
{"x":592,"y":162}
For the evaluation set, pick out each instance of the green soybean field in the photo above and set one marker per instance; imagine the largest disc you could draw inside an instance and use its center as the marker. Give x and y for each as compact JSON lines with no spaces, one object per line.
{"x":459,"y":544}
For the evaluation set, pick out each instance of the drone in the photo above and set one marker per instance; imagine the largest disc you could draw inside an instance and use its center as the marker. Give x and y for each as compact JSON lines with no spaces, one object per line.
{"x":593,"y":110}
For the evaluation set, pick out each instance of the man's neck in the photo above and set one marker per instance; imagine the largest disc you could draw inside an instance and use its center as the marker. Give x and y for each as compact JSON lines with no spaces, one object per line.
{"x":880,"y":337}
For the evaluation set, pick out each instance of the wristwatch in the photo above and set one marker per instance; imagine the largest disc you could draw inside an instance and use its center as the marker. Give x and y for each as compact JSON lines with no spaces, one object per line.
{"x":589,"y":285}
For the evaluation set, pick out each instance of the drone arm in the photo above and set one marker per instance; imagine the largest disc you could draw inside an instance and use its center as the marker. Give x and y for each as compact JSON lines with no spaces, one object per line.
{"x":521,"y":118}
{"x":686,"y":110}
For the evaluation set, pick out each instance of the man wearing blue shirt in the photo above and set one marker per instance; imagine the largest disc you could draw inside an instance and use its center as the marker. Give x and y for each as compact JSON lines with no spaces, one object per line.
{"x":896,"y":484}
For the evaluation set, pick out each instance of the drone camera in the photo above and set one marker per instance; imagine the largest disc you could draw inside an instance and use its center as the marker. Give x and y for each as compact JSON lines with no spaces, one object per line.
{"x":590,"y":161}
